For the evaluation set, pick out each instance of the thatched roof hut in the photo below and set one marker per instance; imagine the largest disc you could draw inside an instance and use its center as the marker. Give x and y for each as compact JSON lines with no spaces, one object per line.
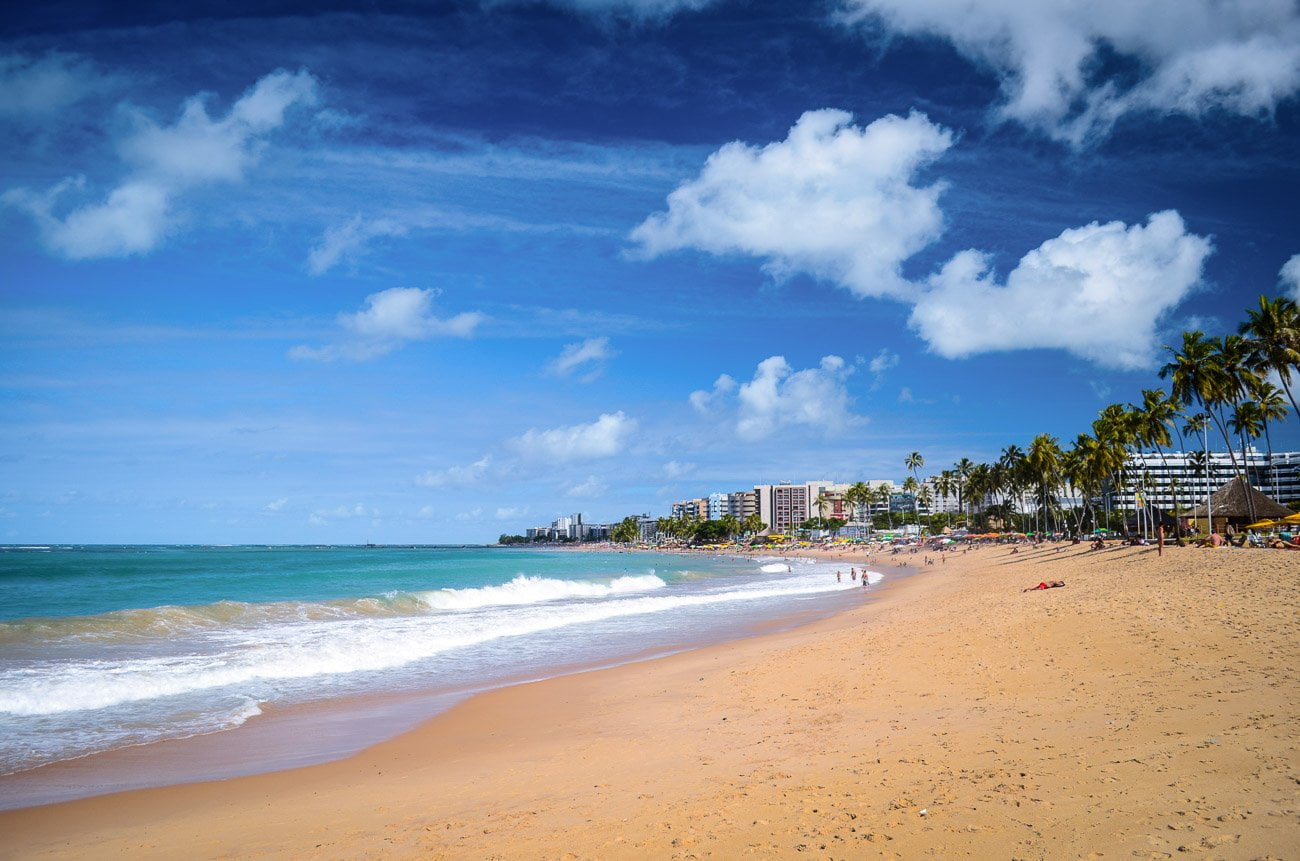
{"x":1237,"y":503}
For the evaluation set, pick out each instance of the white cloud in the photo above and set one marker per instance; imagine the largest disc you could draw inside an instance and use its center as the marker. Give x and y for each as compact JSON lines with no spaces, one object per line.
{"x":197,"y":149}
{"x":345,"y":242}
{"x":1241,"y":56}
{"x":44,"y":86}
{"x":1290,"y":276}
{"x":457,"y":476}
{"x":593,"y":486}
{"x":779,"y":396}
{"x":676,"y":469}
{"x":389,"y":319}
{"x":593,"y":351}
{"x":883,"y":362}
{"x":322,"y":516}
{"x":510,"y":512}
{"x":832,"y":199}
{"x":704,"y":401}
{"x":1095,"y":291}
{"x":277,"y":505}
{"x":604,"y":437}
{"x":473,"y":514}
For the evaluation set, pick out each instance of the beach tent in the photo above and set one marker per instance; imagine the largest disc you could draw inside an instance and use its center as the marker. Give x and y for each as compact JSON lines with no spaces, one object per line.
{"x":1238,"y":504}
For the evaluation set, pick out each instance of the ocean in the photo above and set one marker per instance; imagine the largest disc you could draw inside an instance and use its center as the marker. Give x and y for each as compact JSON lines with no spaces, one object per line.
{"x":105,"y":648}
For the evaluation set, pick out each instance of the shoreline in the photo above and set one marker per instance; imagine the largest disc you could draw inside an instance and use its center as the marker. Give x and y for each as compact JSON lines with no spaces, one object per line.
{"x":1147,"y":707}
{"x":342,"y":727}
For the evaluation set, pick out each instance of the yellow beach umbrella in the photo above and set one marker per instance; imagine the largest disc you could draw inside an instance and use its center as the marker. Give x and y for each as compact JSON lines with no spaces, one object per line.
{"x":1292,"y":518}
{"x":1262,"y":524}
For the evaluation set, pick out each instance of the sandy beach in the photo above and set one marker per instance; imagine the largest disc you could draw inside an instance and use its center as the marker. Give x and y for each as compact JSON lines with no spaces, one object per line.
{"x":1149,"y":707}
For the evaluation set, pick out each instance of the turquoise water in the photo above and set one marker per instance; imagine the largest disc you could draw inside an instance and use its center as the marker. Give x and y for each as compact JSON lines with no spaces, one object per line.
{"x":103,"y":648}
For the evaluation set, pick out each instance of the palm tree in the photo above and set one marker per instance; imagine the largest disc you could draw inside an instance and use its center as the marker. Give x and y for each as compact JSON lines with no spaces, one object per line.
{"x":884,"y":496}
{"x":1008,"y":473}
{"x":1198,"y":424}
{"x":925,"y":499}
{"x":1150,"y":423}
{"x":1274,"y":336}
{"x":858,"y":495}
{"x":1197,"y":375}
{"x":914,"y":462}
{"x":979,"y":485}
{"x":962,"y":470}
{"x":752,"y":524}
{"x":1044,"y":459}
{"x":1271,"y":408}
{"x":909,"y":486}
{"x":945,"y":483}
{"x":731,"y":524}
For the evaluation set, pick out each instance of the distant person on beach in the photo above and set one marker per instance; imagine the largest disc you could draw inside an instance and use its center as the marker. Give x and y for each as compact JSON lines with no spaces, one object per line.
{"x":1046,"y":584}
{"x":839,"y":577}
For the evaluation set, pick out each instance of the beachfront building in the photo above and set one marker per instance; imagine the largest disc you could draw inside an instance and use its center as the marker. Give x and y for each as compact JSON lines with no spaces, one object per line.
{"x":1176,"y":480}
{"x":782,"y":506}
{"x":691,"y":509}
{"x":742,"y":503}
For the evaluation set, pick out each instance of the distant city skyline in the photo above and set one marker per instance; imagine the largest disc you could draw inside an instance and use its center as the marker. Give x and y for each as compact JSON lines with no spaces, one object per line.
{"x":283,"y":274}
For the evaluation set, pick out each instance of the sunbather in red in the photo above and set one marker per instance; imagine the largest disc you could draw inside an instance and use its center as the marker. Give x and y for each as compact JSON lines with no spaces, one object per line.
{"x":1046,"y":584}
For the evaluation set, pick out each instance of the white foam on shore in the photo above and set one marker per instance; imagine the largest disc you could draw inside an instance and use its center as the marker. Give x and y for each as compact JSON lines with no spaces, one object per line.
{"x":531,"y":590}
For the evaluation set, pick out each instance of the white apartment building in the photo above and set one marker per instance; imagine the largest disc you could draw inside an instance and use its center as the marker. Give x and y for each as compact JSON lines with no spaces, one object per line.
{"x":1178,"y":479}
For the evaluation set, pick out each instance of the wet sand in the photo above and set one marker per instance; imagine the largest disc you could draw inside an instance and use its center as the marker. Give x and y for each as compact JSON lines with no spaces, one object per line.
{"x":1150,"y":706}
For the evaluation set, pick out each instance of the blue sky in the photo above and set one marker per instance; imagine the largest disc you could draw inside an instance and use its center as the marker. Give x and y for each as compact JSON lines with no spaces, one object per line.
{"x":432,"y":272}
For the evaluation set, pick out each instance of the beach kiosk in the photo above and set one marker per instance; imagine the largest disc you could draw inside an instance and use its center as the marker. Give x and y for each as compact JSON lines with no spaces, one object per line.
{"x":1236,"y":505}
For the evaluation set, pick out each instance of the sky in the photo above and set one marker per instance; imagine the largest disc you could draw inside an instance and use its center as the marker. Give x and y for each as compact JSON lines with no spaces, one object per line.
{"x":432,"y":272}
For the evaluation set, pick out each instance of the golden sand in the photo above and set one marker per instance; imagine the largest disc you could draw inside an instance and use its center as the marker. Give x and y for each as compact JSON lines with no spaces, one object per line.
{"x":1151,"y":708}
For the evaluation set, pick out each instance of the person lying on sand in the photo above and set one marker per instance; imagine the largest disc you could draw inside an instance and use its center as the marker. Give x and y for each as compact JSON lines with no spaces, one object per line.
{"x":1279,"y":544}
{"x":1046,"y":584}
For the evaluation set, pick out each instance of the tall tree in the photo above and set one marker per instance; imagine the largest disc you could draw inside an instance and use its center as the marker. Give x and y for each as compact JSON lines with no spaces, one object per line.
{"x":1044,"y":460}
{"x":1197,"y":376}
{"x":914,"y":463}
{"x":1273,"y":332}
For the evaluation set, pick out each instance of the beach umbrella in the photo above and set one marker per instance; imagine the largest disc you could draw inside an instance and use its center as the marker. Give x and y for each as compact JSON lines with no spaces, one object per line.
{"x":1292,"y":518}
{"x":1263,"y":524}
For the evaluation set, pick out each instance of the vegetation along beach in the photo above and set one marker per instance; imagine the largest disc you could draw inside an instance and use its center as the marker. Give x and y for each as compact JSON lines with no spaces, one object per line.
{"x":647,"y":429}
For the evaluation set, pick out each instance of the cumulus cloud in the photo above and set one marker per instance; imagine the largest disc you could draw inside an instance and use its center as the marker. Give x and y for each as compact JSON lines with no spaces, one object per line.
{"x":884,"y":361}
{"x":389,"y":319}
{"x":1052,"y":56}
{"x":457,"y":476}
{"x":136,"y":215}
{"x":676,"y":469}
{"x":779,"y":396}
{"x":510,"y":512}
{"x":592,"y":486}
{"x":43,"y":86}
{"x":605,"y":437}
{"x":590,"y":354}
{"x":1096,"y":291}
{"x":834,"y":200}
{"x":837,"y":202}
{"x":346,"y":241}
{"x":704,"y":401}
{"x":277,"y":505}
{"x":1290,"y":276}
